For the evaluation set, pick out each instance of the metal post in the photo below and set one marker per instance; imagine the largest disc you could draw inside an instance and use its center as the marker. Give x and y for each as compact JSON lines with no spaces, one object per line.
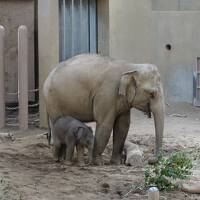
{"x":23,"y":76}
{"x":153,"y":193}
{"x":2,"y":86}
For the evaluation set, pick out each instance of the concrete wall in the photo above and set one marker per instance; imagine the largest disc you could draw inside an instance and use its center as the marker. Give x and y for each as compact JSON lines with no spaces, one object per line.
{"x":131,"y":30}
{"x":175,"y":5}
{"x":11,"y":17}
{"x":139,"y":31}
{"x":48,"y":44}
{"x":181,"y":30}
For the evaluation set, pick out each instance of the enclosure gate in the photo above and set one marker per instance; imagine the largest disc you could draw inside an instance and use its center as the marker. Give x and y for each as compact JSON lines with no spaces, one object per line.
{"x":197,"y":84}
{"x":23,"y":91}
{"x":77,"y":27}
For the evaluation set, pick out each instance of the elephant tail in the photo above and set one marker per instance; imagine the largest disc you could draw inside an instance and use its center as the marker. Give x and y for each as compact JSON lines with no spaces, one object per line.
{"x":49,"y":128}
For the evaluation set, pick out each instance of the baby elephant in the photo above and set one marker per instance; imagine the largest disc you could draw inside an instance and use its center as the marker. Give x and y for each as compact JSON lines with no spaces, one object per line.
{"x":69,"y":132}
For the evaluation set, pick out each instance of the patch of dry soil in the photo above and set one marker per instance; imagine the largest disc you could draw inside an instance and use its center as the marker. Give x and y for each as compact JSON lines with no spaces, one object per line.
{"x":28,"y":171}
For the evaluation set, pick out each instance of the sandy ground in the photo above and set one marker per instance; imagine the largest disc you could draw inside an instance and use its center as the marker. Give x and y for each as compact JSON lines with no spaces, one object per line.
{"x":28,"y":171}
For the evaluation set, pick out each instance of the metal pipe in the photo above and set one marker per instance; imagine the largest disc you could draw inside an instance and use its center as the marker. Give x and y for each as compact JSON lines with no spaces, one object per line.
{"x":153,"y":193}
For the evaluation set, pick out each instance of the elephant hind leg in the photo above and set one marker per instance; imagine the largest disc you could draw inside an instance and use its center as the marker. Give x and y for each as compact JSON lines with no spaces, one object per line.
{"x":120,"y":131}
{"x":62,"y":152}
{"x":56,"y":152}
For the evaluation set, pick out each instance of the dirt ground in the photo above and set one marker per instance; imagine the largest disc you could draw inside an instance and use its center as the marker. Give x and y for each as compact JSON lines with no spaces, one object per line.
{"x":28,"y":171}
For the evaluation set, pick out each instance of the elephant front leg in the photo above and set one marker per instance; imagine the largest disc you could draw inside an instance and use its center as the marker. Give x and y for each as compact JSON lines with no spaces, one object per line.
{"x":102,"y":136}
{"x":120,"y":131}
{"x":80,"y":154}
{"x":70,"y":152}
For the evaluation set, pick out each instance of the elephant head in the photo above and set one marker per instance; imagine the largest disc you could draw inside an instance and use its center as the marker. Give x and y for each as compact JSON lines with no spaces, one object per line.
{"x":143,"y":90}
{"x":84,"y":136}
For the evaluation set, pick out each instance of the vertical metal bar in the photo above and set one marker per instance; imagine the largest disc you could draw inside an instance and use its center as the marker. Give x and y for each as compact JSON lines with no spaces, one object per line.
{"x":23,"y":76}
{"x":61,"y":31}
{"x":75,"y":27}
{"x":84,"y":37}
{"x":93,"y":32}
{"x":73,"y":38}
{"x":68,"y":29}
{"x":2,"y":86}
{"x":81,"y":25}
{"x":198,"y":81}
{"x":64,"y":27}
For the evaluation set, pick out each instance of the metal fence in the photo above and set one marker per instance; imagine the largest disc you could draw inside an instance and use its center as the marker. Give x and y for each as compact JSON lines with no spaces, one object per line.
{"x":17,"y":115}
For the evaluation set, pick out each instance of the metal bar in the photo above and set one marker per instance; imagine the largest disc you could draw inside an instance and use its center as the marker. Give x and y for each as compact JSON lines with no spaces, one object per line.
{"x":93,"y":32}
{"x":2,"y":86}
{"x":12,"y":93}
{"x":12,"y":108}
{"x":33,"y":105}
{"x":64,"y":26}
{"x":34,"y":90}
{"x":84,"y":26}
{"x":23,"y":76}
{"x":73,"y":35}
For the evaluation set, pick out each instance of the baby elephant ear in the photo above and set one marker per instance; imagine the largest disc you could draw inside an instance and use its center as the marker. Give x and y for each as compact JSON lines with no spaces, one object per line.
{"x":78,"y":133}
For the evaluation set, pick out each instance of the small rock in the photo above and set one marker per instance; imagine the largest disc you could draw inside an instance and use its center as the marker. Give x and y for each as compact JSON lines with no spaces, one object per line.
{"x":7,"y":136}
{"x":134,"y":156}
{"x":105,"y":187}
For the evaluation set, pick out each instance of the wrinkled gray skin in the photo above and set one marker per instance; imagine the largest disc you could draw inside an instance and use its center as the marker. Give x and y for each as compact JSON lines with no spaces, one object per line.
{"x":91,"y":87}
{"x":67,"y":133}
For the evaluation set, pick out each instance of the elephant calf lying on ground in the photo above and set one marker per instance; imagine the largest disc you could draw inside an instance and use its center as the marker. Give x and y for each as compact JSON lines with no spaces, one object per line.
{"x":91,"y":87}
{"x":67,"y":133}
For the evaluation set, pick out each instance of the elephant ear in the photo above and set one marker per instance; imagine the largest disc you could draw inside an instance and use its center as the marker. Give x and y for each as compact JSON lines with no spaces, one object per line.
{"x":127,"y":87}
{"x":78,"y":132}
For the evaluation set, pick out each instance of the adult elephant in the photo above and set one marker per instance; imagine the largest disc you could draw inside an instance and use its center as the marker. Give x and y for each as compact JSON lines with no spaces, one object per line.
{"x":91,"y":87}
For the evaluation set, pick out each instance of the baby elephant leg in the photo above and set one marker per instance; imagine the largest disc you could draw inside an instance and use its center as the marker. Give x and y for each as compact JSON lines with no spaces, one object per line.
{"x":63,"y":151}
{"x":57,"y":152}
{"x":80,"y":154}
{"x":70,"y":151}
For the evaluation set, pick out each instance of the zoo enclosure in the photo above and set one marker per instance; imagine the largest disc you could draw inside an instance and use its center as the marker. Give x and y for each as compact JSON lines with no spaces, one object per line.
{"x":22,"y":92}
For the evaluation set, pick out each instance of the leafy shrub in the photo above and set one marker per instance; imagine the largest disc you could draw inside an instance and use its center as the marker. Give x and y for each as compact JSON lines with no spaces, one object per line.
{"x":164,"y":173}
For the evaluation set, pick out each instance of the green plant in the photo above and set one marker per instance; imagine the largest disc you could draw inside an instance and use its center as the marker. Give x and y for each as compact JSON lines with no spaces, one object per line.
{"x":7,"y":192}
{"x":164,"y":173}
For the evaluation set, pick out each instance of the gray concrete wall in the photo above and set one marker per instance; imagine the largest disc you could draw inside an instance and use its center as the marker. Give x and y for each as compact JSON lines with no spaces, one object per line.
{"x":11,"y":17}
{"x":48,"y":40}
{"x":175,"y":5}
{"x":131,"y":30}
{"x":182,"y":31}
{"x":140,"y":30}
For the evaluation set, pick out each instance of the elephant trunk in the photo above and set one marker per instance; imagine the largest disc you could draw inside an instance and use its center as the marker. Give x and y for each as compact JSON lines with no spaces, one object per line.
{"x":158,"y":110}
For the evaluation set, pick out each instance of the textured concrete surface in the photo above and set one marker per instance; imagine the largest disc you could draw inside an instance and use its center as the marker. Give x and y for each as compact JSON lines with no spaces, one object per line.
{"x":13,"y":14}
{"x":48,"y":40}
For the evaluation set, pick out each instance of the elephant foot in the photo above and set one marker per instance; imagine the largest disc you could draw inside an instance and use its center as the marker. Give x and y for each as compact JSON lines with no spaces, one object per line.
{"x":98,"y":161}
{"x":81,"y":164}
{"x":115,"y":161}
{"x":67,"y":162}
